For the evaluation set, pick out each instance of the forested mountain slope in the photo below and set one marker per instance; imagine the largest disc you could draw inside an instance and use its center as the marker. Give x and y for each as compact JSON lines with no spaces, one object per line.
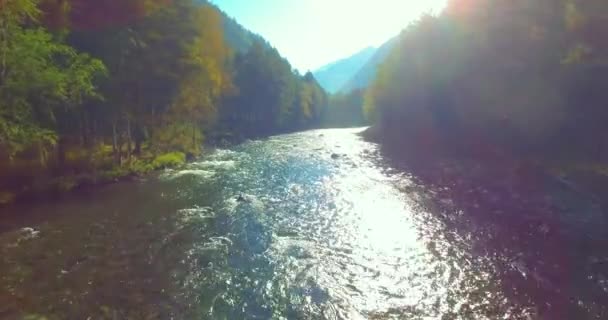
{"x":366,"y":74}
{"x":123,"y":87}
{"x":518,"y":77}
{"x":335,"y":75}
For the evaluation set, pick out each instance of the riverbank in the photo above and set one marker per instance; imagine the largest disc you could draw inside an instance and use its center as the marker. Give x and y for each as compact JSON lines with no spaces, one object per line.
{"x":23,"y":188}
{"x":347,"y":230}
{"x":584,"y":177}
{"x":28,"y":179}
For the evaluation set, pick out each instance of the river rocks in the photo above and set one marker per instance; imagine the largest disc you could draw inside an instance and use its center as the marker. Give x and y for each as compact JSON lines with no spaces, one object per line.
{"x":241,"y":198}
{"x":249,"y":201}
{"x":296,"y":189}
{"x":287,"y":233}
{"x":28,"y":233}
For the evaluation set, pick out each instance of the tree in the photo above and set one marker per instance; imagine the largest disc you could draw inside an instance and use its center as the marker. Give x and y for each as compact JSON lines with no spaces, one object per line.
{"x":39,"y":76}
{"x":522,"y":75}
{"x":206,"y":78}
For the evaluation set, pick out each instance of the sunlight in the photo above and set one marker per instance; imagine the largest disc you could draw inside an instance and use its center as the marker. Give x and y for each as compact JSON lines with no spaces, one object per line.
{"x":376,"y":228}
{"x":357,"y":24}
{"x":312,"y":33}
{"x":374,"y":21}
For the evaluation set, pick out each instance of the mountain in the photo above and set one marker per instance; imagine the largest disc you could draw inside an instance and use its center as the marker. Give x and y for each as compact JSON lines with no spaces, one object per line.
{"x":335,"y":75}
{"x":366,"y":74}
{"x":238,"y":37}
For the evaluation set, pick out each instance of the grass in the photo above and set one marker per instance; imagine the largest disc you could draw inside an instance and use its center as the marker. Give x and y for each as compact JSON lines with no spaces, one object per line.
{"x":167,"y":160}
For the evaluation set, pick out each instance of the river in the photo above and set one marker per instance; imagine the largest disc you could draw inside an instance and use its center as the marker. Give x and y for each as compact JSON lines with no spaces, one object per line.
{"x":311,"y":225}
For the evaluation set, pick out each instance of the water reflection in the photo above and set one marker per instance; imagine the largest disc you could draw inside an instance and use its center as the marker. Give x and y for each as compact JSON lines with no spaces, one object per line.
{"x":304,"y":226}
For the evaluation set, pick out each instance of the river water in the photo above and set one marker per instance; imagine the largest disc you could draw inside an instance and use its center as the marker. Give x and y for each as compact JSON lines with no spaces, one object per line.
{"x":312,"y":225}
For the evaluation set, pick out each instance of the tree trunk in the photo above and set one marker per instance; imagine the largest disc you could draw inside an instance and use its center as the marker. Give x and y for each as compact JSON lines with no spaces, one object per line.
{"x":84,"y":130}
{"x":94,"y":133}
{"x":120,"y":149}
{"x":138,"y":139}
{"x":61,"y":153}
{"x":42,"y":155}
{"x":115,"y":146}
{"x":193,"y":136}
{"x":129,"y":140}
{"x":3,"y":50}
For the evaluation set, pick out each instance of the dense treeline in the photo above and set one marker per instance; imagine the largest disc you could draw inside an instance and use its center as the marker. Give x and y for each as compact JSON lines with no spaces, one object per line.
{"x":527,"y":76}
{"x":122,"y":87}
{"x":345,"y":110}
{"x":271,"y":98}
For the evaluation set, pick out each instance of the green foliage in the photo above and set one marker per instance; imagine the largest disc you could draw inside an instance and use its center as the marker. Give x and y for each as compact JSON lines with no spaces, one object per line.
{"x":182,"y":136}
{"x":528,"y":80}
{"x":14,"y":12}
{"x":38,"y":74}
{"x":168,"y":160}
{"x":140,"y":167}
{"x":98,"y":88}
{"x":345,"y":110}
{"x":270,"y":97}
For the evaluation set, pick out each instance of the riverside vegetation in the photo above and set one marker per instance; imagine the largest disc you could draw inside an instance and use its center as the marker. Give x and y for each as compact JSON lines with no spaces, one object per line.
{"x":488,"y":76}
{"x":92,"y":91}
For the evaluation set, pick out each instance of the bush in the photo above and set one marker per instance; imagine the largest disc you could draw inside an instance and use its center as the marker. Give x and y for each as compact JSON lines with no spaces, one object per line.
{"x":168,"y":160}
{"x":139,"y":167}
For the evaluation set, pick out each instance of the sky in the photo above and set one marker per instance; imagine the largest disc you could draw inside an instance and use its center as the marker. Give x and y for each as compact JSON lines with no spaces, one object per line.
{"x":313,"y":33}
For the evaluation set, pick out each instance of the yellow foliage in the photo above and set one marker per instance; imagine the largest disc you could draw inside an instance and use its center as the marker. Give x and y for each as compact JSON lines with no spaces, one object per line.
{"x":306,"y":101}
{"x":208,"y":79}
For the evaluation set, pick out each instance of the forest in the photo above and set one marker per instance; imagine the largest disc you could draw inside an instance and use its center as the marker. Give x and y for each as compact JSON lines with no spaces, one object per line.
{"x":92,"y":91}
{"x":520,"y":78}
{"x":344,"y":110}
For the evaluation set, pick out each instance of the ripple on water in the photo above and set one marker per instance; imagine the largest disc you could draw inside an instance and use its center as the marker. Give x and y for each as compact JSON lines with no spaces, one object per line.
{"x":199,"y":173}
{"x":274,"y":229}
{"x":217,"y":164}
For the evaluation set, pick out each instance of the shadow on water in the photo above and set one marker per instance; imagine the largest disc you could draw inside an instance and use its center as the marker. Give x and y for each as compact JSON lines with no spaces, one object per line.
{"x":543,"y":237}
{"x":313,"y":225}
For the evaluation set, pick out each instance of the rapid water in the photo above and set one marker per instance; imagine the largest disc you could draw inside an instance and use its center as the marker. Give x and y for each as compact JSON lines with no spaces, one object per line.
{"x":312,"y":225}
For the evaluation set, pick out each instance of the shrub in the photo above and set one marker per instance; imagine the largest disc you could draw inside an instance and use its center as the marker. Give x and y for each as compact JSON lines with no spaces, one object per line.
{"x":139,"y":167}
{"x":168,"y":160}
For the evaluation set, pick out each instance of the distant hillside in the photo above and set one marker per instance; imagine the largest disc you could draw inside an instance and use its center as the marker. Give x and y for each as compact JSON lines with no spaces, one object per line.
{"x":335,"y":75}
{"x":366,"y":74}
{"x":237,"y":37}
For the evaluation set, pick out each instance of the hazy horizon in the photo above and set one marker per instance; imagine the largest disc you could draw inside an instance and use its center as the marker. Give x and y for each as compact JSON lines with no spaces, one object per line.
{"x":313,"y":33}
